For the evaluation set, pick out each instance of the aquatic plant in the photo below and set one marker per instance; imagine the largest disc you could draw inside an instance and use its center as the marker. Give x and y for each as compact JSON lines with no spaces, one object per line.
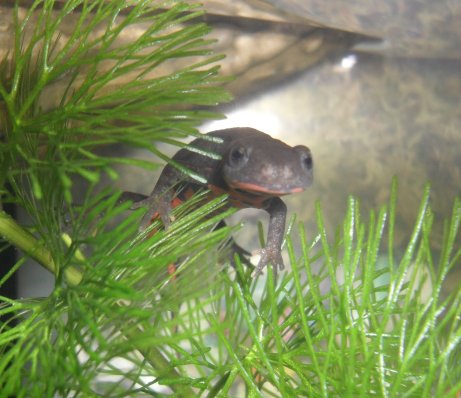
{"x":348,"y":319}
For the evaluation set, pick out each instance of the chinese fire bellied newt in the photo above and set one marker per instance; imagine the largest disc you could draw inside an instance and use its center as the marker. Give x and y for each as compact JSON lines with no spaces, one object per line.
{"x":254,"y":169}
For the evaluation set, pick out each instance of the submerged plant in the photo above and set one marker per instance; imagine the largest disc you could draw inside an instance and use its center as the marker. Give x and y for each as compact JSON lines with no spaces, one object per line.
{"x":349,"y":319}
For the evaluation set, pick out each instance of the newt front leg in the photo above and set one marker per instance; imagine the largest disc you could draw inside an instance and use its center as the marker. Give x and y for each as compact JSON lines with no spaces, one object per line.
{"x":272,"y":252}
{"x":159,"y":202}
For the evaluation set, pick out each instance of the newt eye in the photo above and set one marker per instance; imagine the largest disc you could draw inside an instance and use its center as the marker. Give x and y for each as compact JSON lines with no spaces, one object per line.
{"x":238,"y":156}
{"x":305,"y":156}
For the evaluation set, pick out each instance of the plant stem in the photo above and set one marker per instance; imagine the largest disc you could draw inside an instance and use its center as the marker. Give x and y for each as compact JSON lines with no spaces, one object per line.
{"x":22,"y":239}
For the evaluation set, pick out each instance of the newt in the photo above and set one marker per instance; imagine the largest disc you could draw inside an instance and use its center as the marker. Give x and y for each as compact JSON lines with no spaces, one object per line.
{"x":254,"y":169}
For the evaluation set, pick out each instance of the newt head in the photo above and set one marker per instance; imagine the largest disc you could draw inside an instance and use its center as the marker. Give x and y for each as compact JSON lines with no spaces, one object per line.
{"x":257,"y":163}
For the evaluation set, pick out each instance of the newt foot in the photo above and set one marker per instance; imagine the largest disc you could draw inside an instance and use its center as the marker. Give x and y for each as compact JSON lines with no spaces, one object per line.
{"x":269,"y":255}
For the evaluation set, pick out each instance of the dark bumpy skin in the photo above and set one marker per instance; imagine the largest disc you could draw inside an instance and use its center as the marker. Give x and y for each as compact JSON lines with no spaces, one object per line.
{"x":254,"y":170}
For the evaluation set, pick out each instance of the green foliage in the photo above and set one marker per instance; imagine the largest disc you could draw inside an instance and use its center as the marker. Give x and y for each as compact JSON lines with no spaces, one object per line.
{"x":110,"y":89}
{"x":343,"y":322}
{"x":348,"y":320}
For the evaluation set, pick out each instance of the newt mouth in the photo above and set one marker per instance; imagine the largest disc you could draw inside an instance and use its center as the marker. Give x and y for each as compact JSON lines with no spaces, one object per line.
{"x":258,"y":190}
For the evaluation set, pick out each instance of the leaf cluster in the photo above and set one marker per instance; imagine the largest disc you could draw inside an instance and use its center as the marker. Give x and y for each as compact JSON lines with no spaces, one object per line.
{"x":108,"y":89}
{"x":348,"y":320}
